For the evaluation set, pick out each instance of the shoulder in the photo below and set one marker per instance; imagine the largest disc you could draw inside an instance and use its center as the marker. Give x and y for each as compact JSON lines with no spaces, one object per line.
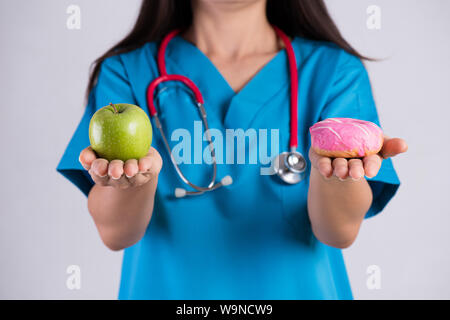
{"x":130,"y":62}
{"x":145,"y":53}
{"x":134,"y":69}
{"x":325,"y":65}
{"x":325,"y":55}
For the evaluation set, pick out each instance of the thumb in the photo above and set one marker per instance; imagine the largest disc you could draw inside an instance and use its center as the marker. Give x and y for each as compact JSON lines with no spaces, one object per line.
{"x":392,"y":147}
{"x":313,"y":157}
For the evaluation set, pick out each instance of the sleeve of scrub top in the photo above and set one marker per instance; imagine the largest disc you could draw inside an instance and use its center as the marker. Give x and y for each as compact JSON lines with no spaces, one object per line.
{"x":351,"y":96}
{"x":112,"y":86}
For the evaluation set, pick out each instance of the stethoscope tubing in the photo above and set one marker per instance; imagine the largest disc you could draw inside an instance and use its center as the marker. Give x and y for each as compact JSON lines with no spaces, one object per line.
{"x":293,"y":73}
{"x":174,"y":162}
{"x":164,"y":77}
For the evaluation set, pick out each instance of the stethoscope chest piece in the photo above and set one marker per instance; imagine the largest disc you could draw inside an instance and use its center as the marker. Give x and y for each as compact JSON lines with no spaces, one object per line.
{"x":289,"y":166}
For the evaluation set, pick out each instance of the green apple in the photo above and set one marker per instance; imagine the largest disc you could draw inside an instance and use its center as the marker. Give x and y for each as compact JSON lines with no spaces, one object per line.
{"x":120,"y":131}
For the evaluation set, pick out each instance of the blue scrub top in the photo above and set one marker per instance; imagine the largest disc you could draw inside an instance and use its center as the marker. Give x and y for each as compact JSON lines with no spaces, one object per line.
{"x":252,"y":239}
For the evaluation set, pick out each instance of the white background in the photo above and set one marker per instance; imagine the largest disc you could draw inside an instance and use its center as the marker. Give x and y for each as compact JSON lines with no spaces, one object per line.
{"x":44,"y":222}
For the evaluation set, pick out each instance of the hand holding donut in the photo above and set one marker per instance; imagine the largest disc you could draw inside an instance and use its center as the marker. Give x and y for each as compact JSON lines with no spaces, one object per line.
{"x":350,"y":148}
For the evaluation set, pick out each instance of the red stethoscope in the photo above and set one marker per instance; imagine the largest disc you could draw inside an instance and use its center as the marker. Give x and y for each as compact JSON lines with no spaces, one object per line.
{"x":288,"y":165}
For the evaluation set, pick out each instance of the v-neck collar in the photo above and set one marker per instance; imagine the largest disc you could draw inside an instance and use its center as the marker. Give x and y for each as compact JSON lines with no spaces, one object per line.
{"x":241,"y":107}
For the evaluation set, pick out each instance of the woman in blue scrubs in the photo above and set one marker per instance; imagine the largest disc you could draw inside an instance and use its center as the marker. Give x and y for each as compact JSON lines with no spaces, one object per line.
{"x":258,"y":238}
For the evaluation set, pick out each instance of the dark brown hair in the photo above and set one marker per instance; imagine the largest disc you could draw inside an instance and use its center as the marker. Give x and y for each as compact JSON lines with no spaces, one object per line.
{"x":304,"y":18}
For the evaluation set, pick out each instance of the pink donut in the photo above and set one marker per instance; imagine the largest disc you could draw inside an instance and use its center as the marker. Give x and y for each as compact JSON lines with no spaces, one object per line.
{"x":346,"y":138}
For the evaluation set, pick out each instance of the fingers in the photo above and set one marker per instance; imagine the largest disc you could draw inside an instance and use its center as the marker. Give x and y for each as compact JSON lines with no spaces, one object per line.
{"x":122,"y":182}
{"x":99,"y":171}
{"x":100,"y":167}
{"x":139,"y":179}
{"x":146,"y":168}
{"x":372,"y":165}
{"x":329,"y":167}
{"x":340,"y":168}
{"x":87,"y":156}
{"x":119,"y":174}
{"x":323,"y":164}
{"x":356,"y":169}
{"x":325,"y":167}
{"x":102,"y":181}
{"x":145,"y":164}
{"x":351,"y":168}
{"x":392,"y":147}
{"x":151,"y":163}
{"x":115,"y":169}
{"x":116,"y":174}
{"x":131,"y":168}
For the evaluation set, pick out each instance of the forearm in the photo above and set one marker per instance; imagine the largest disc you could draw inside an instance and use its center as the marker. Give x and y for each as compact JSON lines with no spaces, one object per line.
{"x":337,"y":208}
{"x":122,"y":215}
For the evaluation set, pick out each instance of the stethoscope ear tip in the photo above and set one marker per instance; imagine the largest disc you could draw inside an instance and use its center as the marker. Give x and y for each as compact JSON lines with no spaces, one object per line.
{"x":226,"y":181}
{"x":180,"y":192}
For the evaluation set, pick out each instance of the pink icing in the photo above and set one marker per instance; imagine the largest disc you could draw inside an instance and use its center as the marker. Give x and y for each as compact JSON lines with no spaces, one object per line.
{"x":346,"y":134}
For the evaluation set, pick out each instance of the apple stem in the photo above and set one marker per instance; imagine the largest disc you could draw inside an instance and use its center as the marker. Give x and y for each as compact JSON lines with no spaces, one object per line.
{"x":114,"y":107}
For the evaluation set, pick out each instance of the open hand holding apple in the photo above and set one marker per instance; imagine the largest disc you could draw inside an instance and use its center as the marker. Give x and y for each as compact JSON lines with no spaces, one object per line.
{"x":120,"y":174}
{"x":120,"y":154}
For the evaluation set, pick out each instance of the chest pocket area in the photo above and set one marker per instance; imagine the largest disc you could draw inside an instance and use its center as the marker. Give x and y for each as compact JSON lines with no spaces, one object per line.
{"x":294,"y":209}
{"x":183,"y":128}
{"x":294,"y":198}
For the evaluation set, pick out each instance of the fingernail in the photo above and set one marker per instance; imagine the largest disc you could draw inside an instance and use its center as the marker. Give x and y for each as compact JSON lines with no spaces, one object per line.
{"x":112,"y":177}
{"x":355,"y":179}
{"x":98,"y":173}
{"x":82,"y":164}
